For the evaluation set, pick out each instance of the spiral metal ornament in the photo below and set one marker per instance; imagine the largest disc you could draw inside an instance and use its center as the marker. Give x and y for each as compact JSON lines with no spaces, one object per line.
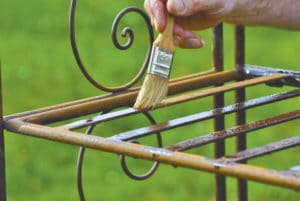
{"x":154,"y":167}
{"x":80,"y":166}
{"x":124,"y":166}
{"x":127,"y":33}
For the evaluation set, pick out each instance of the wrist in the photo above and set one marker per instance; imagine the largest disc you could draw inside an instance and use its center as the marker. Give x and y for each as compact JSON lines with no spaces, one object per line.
{"x":276,"y":13}
{"x":254,"y":12}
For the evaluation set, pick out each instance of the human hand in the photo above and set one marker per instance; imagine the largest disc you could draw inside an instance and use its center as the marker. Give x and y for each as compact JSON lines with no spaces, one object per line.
{"x":192,"y":15}
{"x":189,"y":15}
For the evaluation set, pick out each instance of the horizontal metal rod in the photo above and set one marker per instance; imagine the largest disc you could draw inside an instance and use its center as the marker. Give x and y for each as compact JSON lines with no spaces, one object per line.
{"x":293,"y":78}
{"x":140,"y":132}
{"x":263,"y":150}
{"x":171,"y":101}
{"x":181,"y":159}
{"x":218,"y":135}
{"x":86,"y":100}
{"x":112,"y":101}
{"x":220,"y":89}
{"x":91,"y":99}
{"x":293,"y":171}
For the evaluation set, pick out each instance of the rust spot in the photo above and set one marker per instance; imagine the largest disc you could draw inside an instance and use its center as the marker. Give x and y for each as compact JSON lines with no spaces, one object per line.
{"x":155,"y":155}
{"x":174,"y":148}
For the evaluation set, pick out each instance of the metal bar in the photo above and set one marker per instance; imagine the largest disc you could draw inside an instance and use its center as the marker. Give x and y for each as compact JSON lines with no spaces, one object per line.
{"x":187,"y":160}
{"x":235,"y":131}
{"x":263,"y":150}
{"x":127,"y":98}
{"x":92,"y":99}
{"x":219,"y":121}
{"x":188,"y":119}
{"x":171,"y":101}
{"x":240,"y":96}
{"x":140,"y":132}
{"x":2,"y":148}
{"x":255,"y":70}
{"x":293,"y":78}
{"x":220,"y":89}
{"x":293,"y":171}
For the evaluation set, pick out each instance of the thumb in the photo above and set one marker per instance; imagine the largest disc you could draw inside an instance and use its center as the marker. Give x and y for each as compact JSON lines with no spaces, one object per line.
{"x":190,"y":7}
{"x":176,"y":7}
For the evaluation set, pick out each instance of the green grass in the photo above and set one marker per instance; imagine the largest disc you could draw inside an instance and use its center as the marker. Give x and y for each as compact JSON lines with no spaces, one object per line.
{"x":39,"y":70}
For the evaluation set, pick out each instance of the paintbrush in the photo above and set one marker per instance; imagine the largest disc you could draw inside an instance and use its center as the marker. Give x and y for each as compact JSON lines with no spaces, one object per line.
{"x":155,"y":85}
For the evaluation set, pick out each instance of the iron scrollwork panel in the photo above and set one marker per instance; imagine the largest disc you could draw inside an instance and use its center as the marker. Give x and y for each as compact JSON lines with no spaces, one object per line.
{"x":127,"y":32}
{"x":124,"y":166}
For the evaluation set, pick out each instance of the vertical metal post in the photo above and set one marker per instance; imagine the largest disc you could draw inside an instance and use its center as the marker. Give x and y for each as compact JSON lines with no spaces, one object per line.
{"x":219,"y":123}
{"x":240,"y":96}
{"x":2,"y":153}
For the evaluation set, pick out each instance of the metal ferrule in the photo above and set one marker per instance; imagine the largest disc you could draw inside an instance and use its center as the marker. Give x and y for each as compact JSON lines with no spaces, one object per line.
{"x":160,"y":62}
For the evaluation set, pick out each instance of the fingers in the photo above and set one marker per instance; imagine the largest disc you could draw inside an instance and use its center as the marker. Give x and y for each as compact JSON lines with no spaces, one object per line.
{"x":190,"y":7}
{"x":187,"y":39}
{"x":182,"y":37}
{"x":158,"y":12}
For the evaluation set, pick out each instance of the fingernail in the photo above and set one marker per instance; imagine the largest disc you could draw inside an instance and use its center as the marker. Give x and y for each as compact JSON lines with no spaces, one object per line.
{"x":177,"y":40}
{"x":202,"y":42}
{"x":179,"y":6}
{"x":194,"y":43}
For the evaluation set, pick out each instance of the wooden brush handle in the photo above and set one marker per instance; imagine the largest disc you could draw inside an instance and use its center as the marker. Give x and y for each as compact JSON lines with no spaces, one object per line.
{"x":165,"y":39}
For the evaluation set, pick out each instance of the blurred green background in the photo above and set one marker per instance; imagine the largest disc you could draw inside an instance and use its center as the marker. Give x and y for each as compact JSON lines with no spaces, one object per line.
{"x":38,"y":70}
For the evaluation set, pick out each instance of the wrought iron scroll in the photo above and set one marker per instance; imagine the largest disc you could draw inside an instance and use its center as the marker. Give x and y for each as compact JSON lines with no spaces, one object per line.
{"x":127,"y":33}
{"x":124,"y":166}
{"x":155,"y":164}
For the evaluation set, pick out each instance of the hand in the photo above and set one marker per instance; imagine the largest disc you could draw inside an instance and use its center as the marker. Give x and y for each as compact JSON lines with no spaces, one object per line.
{"x":192,"y":15}
{"x":188,"y":15}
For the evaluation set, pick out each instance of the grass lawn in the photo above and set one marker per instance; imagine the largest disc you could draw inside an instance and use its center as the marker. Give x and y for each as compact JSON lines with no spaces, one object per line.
{"x":39,"y":70}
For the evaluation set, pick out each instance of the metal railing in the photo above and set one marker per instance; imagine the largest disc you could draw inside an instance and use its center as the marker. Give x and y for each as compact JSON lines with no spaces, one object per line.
{"x":215,"y":82}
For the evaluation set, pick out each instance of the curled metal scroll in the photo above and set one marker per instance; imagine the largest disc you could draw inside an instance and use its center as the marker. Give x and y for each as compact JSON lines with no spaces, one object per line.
{"x":155,"y":164}
{"x":127,"y":32}
{"x":122,"y":158}
{"x":79,"y":166}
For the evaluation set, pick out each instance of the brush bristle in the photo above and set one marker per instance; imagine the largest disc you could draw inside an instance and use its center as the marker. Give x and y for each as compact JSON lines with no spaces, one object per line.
{"x":153,"y":91}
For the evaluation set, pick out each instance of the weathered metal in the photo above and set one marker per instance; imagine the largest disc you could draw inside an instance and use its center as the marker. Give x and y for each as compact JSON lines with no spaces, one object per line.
{"x":157,"y":154}
{"x":170,"y":101}
{"x":235,"y":131}
{"x":219,"y":121}
{"x":264,"y":150}
{"x":126,"y":32}
{"x":240,"y":96}
{"x":116,"y":144}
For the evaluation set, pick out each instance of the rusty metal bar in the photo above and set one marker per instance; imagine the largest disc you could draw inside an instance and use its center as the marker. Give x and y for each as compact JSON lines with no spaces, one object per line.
{"x":157,"y":154}
{"x":171,"y":101}
{"x":293,"y":171}
{"x":293,"y":78}
{"x":240,"y":96}
{"x":220,"y":89}
{"x":264,"y":150}
{"x":2,"y":148}
{"x":111,"y":101}
{"x":219,"y":121}
{"x":235,"y":131}
{"x":140,"y":132}
{"x":92,"y":99}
